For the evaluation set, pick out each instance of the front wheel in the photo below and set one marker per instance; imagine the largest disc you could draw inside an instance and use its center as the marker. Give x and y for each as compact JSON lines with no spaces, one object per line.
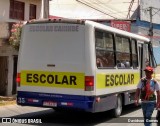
{"x":118,"y":108}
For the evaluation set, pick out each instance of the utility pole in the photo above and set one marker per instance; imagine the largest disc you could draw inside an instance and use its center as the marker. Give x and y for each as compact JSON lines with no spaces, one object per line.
{"x":151,"y":36}
{"x":151,"y":24}
{"x":151,"y":17}
{"x":151,"y":33}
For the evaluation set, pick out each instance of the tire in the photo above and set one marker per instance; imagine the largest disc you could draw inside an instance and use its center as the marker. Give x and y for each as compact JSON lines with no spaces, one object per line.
{"x":118,"y":108}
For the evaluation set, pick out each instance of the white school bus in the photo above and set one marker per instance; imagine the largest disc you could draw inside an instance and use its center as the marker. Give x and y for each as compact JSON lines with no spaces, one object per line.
{"x":81,"y":65}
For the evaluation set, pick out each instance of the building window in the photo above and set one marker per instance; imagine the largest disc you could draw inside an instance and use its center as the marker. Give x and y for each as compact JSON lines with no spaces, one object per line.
{"x":16,"y":10}
{"x":32,"y":11}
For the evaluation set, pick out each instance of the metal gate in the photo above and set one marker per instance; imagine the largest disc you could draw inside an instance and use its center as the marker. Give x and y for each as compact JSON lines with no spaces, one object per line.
{"x":3,"y":75}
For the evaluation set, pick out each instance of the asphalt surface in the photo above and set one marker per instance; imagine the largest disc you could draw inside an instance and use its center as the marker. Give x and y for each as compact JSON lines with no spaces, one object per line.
{"x":49,"y":117}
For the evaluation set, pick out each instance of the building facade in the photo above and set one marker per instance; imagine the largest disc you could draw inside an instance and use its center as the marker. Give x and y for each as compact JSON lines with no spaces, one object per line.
{"x":12,"y":11}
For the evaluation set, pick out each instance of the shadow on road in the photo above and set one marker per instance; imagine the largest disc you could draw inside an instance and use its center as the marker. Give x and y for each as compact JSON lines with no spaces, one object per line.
{"x":51,"y":117}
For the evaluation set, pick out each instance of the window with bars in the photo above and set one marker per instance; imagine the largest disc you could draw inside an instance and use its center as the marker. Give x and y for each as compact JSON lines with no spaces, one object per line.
{"x":16,"y":10}
{"x":32,"y":11}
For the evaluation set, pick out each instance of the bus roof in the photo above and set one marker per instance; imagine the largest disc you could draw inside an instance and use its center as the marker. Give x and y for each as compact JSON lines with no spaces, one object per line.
{"x":93,"y":24}
{"x":117,"y":31}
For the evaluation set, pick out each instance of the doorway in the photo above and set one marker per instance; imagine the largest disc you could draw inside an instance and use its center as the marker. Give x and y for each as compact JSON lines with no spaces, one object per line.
{"x":3,"y":75}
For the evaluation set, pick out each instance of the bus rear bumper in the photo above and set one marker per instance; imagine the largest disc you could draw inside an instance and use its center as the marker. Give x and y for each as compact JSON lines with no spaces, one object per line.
{"x":83,"y":103}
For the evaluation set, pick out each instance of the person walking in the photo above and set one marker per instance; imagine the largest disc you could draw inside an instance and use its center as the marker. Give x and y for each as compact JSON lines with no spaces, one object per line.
{"x":145,"y":90}
{"x":158,"y":113}
{"x":158,"y":116}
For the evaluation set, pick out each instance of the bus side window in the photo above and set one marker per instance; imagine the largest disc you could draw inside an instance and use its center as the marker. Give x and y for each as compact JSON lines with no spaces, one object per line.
{"x":147,"y":62}
{"x":134,"y":53}
{"x":120,"y":64}
{"x":127,"y":64}
{"x":104,"y":49}
{"x":123,"y":52}
{"x":99,"y":62}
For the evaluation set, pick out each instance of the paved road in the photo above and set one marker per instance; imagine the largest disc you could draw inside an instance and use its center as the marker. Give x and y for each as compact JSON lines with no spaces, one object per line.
{"x":52,"y":118}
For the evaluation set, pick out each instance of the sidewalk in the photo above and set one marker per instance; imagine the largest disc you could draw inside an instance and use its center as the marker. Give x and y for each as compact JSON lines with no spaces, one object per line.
{"x":157,"y":77}
{"x":157,"y":73}
{"x":4,"y":100}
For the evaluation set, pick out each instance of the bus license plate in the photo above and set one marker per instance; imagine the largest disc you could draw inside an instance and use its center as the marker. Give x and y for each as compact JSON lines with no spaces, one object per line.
{"x":50,"y":103}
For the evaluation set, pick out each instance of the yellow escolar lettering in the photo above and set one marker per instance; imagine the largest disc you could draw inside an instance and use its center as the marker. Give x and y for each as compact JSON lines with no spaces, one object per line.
{"x":51,"y":79}
{"x":121,"y":79}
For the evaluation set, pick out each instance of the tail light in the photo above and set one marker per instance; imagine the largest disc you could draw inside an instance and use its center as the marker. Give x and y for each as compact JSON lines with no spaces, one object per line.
{"x":89,"y":83}
{"x":18,"y":79}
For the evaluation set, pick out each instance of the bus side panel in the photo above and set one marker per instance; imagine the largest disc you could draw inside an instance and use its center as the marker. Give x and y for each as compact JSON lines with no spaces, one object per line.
{"x":129,"y":97}
{"x":113,"y":82}
{"x":116,"y":81}
{"x":106,"y":103}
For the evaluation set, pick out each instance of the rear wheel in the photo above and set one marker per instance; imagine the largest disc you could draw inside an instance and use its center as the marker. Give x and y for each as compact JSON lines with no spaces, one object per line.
{"x":118,"y":109}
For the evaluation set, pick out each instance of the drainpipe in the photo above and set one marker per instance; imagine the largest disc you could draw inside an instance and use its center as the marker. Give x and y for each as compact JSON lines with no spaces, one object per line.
{"x":46,"y":8}
{"x":42,"y":9}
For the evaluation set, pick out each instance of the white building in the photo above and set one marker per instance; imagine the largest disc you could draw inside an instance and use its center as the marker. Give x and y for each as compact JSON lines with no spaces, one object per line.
{"x":12,"y":11}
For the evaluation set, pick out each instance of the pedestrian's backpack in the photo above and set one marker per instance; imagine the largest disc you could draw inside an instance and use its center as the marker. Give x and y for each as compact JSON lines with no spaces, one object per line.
{"x":146,"y":93}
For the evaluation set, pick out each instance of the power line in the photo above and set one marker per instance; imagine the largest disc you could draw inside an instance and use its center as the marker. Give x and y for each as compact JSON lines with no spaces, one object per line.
{"x":145,"y":30}
{"x":156,"y":12}
{"x":153,"y":8}
{"x":129,"y":9}
{"x":95,"y":9}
